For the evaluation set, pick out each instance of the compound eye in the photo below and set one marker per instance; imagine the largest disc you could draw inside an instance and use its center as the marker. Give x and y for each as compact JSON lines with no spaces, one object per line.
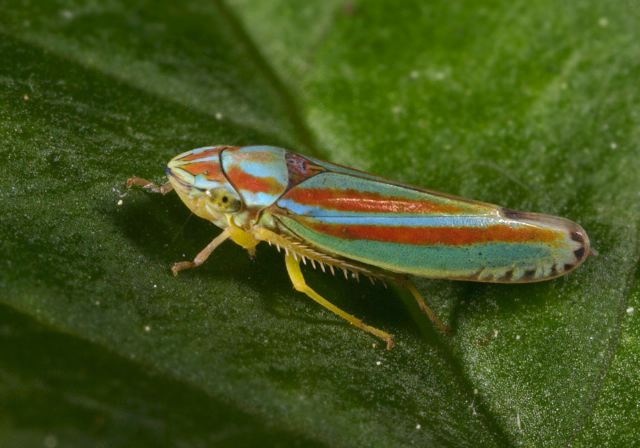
{"x":224,"y":200}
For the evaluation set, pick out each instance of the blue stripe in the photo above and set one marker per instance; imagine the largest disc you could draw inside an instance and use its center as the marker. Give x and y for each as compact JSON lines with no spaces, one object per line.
{"x":328,"y":216}
{"x":203,"y":183}
{"x":276,"y":169}
{"x":259,"y":199}
{"x":417,"y":220}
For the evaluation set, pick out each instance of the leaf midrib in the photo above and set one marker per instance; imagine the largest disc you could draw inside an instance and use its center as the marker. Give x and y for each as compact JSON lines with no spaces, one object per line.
{"x":304,"y":133}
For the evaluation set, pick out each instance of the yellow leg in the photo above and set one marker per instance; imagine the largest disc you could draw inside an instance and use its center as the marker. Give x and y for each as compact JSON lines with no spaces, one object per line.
{"x":202,"y":256}
{"x":295,"y":274}
{"x":241,"y":237}
{"x":149,"y":186}
{"x":424,"y":307}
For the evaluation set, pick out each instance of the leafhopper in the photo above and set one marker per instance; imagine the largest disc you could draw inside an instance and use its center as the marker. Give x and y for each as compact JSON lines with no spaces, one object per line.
{"x":336,"y":218}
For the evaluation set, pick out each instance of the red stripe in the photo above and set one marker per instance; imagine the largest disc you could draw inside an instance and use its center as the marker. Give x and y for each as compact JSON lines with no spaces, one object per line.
{"x":450,"y":236}
{"x":211,"y":170}
{"x":254,"y":184}
{"x":365,"y":201}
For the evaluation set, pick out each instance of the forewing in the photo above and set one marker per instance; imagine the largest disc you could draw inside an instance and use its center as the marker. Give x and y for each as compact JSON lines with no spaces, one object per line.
{"x":402,"y":229}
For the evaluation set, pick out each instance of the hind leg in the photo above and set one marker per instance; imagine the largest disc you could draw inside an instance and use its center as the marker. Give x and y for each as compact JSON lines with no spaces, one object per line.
{"x":426,"y":309}
{"x":299,"y":283}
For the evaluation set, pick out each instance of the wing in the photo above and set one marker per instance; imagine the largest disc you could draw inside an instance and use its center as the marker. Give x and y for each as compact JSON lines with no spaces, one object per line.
{"x":398,"y":228}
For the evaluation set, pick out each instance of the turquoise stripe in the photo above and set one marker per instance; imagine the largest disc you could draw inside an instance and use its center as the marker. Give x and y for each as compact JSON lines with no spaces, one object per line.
{"x":431,"y":261}
{"x":263,"y":148}
{"x":342,"y":182}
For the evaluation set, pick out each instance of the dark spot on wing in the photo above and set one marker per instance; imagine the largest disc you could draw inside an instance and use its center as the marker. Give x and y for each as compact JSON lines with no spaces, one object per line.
{"x":577,"y":236}
{"x":300,"y":169}
{"x":568,"y":266}
{"x":513,"y":214}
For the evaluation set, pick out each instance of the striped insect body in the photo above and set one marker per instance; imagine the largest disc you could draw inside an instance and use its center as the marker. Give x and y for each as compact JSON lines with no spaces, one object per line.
{"x":340,"y":218}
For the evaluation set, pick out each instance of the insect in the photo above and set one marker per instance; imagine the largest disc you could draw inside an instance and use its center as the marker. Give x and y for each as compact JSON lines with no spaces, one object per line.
{"x":340,"y":219}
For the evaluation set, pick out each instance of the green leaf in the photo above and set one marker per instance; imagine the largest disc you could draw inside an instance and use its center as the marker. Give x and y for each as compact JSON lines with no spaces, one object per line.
{"x":532,"y":105}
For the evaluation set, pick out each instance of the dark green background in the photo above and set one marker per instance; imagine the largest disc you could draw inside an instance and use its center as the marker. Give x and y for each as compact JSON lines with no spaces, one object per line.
{"x":530,"y":104}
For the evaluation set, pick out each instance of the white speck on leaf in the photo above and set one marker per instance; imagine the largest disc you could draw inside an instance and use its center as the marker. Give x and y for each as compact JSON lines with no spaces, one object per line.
{"x":438,"y":74}
{"x":631,"y":310}
{"x":418,"y":426}
{"x":219,"y":116}
{"x":613,"y":145}
{"x":119,"y":203}
{"x":50,"y":441}
{"x":473,"y":408}
{"x":603,"y":22}
{"x":147,"y":328}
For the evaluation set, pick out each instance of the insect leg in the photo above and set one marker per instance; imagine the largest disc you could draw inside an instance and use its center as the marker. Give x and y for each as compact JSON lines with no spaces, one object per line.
{"x":149,"y":186}
{"x":202,"y":256}
{"x":299,"y":284}
{"x":242,"y":237}
{"x":424,"y":307}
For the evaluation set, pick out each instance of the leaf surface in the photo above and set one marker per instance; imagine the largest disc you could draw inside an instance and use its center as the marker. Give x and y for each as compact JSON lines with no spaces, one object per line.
{"x":530,"y":105}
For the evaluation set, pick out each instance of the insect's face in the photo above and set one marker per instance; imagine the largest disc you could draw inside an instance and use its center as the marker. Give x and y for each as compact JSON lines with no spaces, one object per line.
{"x":201,"y":184}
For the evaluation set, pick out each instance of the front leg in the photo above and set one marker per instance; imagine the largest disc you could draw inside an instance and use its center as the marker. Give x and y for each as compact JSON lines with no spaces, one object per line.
{"x":202,"y":256}
{"x":242,"y":237}
{"x":149,"y":186}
